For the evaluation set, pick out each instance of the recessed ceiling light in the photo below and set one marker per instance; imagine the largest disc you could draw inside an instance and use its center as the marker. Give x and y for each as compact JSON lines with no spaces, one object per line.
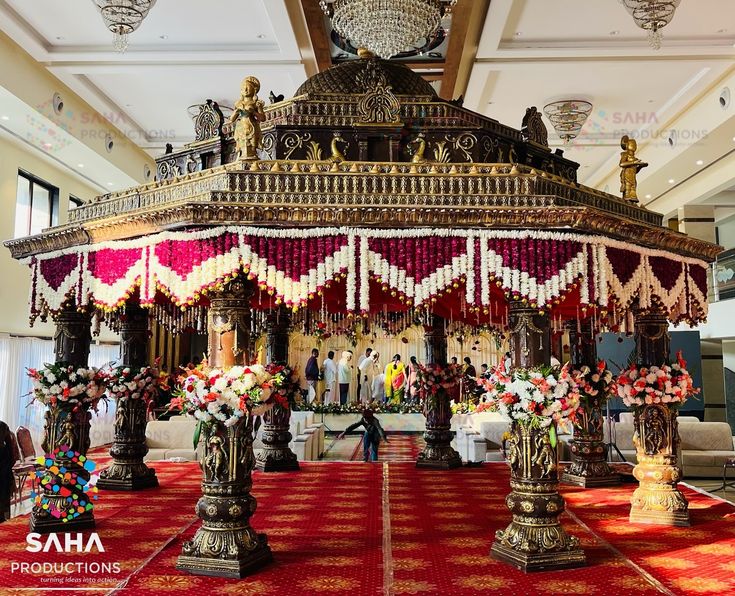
{"x":615,"y":32}
{"x":651,"y":101}
{"x":60,"y":37}
{"x":4,"y":117}
{"x":648,"y":196}
{"x":110,"y":184}
{"x":722,"y":31}
{"x":700,"y":162}
{"x":518,"y":33}
{"x":260,"y":36}
{"x":671,"y":180}
{"x":163,"y":36}
{"x":80,"y":165}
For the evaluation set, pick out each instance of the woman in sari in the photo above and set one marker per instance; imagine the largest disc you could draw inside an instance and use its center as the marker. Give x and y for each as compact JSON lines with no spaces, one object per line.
{"x":7,"y":480}
{"x":395,"y":380}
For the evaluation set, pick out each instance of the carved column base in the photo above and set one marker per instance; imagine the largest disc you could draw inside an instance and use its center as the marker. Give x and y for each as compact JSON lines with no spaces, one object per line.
{"x":43,"y":522}
{"x":276,"y":456}
{"x":658,"y":500}
{"x":438,"y":453}
{"x":226,"y":545}
{"x":272,"y":459}
{"x":535,"y":540}
{"x":127,"y":475}
{"x":589,"y":467}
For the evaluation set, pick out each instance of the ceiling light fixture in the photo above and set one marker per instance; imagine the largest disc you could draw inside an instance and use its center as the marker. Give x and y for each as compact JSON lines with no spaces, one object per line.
{"x":652,"y":16}
{"x":648,"y":196}
{"x":700,"y":162}
{"x":4,"y":117}
{"x":616,"y":32}
{"x":671,"y":180}
{"x":568,"y":116}
{"x":386,"y":27}
{"x":122,"y":17}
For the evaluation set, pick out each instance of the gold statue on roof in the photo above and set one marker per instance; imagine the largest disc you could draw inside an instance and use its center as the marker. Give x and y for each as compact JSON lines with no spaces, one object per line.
{"x":630,"y":165}
{"x":247,"y":116}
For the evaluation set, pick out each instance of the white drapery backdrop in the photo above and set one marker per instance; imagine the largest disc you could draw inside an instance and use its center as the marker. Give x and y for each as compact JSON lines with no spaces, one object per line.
{"x":16,"y":406}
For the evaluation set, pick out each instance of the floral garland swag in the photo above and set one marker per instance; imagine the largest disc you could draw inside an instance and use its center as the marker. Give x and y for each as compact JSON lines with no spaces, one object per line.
{"x":68,"y":392}
{"x":276,"y":456}
{"x":533,"y":400}
{"x":589,"y":465}
{"x":436,"y":385}
{"x":226,"y":404}
{"x":655,"y":394}
{"x":134,"y":389}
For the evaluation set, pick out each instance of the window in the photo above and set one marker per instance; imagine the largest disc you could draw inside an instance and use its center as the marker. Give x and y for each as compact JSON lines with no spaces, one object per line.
{"x":74,"y":202}
{"x":36,"y":206}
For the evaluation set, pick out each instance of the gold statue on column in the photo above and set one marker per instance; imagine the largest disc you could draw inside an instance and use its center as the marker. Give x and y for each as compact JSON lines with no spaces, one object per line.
{"x":630,"y":165}
{"x":247,"y":116}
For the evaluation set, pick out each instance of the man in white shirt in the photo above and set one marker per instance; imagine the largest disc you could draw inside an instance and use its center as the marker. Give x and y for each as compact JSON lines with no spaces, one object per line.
{"x":329,"y":367}
{"x":379,"y":387}
{"x":344,"y":376}
{"x":360,"y":376}
{"x":367,"y":369}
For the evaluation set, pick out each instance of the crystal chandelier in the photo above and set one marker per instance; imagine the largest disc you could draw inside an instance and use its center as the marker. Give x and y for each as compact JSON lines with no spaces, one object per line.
{"x":652,"y":15}
{"x":568,"y":117}
{"x":386,"y":27}
{"x":122,"y":17}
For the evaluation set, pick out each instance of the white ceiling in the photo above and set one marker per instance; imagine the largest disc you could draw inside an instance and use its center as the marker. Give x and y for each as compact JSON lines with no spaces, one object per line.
{"x":531,"y":52}
{"x":186,"y":51}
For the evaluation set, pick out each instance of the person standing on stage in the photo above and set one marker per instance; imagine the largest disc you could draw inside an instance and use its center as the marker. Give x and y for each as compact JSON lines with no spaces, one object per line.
{"x":311,"y":372}
{"x":360,"y":376}
{"x":395,"y":380}
{"x":344,"y":376}
{"x":330,"y":378}
{"x":379,"y":388}
{"x":366,"y":371}
{"x":373,"y":434}
{"x":412,"y":381}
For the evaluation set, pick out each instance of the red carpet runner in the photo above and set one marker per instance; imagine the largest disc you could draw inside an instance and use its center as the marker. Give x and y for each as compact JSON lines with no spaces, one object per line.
{"x":388,"y":528}
{"x":400,"y":447}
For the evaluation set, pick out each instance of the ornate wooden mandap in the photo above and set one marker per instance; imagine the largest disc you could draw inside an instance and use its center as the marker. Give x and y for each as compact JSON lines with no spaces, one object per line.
{"x":363,"y":196}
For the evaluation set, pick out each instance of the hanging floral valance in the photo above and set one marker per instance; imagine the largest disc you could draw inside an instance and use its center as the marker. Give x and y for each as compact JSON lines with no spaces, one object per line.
{"x":416,"y":265}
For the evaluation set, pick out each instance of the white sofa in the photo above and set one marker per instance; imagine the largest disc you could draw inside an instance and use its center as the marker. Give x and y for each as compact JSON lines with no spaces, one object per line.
{"x":703,"y":449}
{"x":169,"y":439}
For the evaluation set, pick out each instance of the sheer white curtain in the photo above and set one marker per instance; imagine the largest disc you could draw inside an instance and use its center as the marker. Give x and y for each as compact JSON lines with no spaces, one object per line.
{"x":16,"y":407}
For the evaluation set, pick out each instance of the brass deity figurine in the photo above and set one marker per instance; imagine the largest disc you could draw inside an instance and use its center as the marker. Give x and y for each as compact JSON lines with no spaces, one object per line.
{"x":630,"y":165}
{"x":247,"y":116}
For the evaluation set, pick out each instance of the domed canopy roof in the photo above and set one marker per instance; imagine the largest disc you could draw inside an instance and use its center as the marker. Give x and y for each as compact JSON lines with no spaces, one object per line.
{"x":349,"y":78}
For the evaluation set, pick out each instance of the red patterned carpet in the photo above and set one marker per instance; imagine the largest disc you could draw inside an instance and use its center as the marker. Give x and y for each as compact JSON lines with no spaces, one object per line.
{"x":350,"y":528}
{"x":400,"y":447}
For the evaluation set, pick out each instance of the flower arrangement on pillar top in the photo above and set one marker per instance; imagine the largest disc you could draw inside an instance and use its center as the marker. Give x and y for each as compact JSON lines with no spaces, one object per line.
{"x":68,"y":392}
{"x":655,"y":393}
{"x":437,"y":385}
{"x":589,"y":465}
{"x":134,"y":388}
{"x":534,"y":400}
{"x":276,"y":456}
{"x":225,"y":404}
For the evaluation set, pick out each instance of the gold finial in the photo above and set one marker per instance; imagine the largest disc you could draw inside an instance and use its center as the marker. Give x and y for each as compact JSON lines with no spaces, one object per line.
{"x":364,"y":53}
{"x":630,"y":165}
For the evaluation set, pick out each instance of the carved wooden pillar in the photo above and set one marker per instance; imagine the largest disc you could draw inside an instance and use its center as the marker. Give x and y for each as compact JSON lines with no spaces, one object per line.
{"x":534,"y":540}
{"x":530,"y":336}
{"x":438,"y":453}
{"x":226,"y":545}
{"x":66,"y":425}
{"x":657,"y":500}
{"x":127,"y":471}
{"x":229,"y":324}
{"x":276,"y":456}
{"x":73,"y":336}
{"x":278,"y":327}
{"x":589,"y":465}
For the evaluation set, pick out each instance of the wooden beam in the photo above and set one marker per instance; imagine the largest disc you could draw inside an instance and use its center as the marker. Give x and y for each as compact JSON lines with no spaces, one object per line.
{"x":313,"y":17}
{"x":468,"y":18}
